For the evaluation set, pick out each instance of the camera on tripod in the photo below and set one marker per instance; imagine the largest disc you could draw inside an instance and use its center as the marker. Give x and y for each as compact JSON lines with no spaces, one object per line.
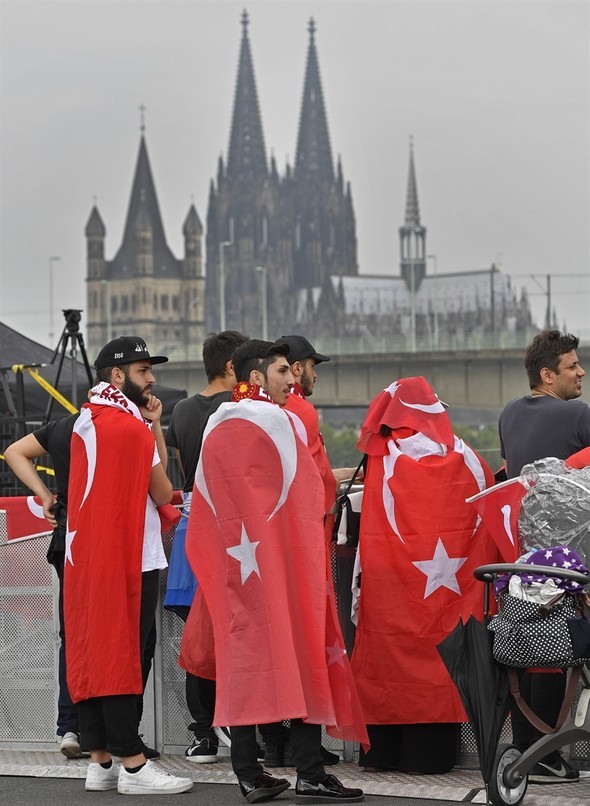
{"x":73,"y":316}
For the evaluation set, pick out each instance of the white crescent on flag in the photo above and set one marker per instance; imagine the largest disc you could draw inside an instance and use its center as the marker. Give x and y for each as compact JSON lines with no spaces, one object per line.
{"x":35,"y":508}
{"x":428,"y":408}
{"x":388,"y":471}
{"x":271,"y":419}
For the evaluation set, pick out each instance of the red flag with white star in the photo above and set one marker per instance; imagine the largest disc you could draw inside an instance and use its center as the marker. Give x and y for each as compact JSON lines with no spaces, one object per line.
{"x":255,"y":541}
{"x":498,"y":508}
{"x":24,"y":517}
{"x":419,"y":544}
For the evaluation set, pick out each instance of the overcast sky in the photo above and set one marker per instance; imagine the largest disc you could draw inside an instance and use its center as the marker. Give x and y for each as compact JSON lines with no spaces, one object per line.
{"x":495,"y":94}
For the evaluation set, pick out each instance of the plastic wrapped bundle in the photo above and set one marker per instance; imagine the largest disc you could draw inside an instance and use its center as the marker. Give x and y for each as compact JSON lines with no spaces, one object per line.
{"x":556,"y":508}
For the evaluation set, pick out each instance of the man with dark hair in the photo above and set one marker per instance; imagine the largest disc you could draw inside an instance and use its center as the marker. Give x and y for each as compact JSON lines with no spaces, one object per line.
{"x":258,"y":364}
{"x":258,"y":549}
{"x":548,"y":422}
{"x":113,"y":557}
{"x":185,"y":434}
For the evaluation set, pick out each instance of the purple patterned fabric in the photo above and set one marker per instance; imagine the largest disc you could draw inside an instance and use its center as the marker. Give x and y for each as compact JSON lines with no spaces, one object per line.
{"x":554,"y":557}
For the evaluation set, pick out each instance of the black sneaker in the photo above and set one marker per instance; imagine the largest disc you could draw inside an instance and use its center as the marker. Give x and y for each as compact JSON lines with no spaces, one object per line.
{"x":150,"y":752}
{"x":330,"y":790}
{"x":202,"y":751}
{"x":557,"y":771}
{"x":287,"y":759}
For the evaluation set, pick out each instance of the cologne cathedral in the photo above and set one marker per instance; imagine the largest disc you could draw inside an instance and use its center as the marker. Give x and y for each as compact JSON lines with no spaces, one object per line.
{"x":280,"y":251}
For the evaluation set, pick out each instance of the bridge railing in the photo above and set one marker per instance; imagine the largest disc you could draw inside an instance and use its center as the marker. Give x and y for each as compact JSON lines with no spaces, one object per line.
{"x":368,"y":344}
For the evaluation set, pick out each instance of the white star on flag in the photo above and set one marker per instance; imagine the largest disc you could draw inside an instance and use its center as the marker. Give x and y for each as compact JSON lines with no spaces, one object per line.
{"x":245,"y":555}
{"x":441,"y":570}
{"x":335,"y":654}
{"x":69,"y":540}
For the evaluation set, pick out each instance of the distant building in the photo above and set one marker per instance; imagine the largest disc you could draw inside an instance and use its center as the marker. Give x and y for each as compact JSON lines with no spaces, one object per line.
{"x":145,"y":289}
{"x":281,"y":252}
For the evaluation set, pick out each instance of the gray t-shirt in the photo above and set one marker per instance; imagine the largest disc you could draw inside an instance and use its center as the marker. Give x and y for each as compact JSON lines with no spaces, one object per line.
{"x":533,"y":428}
{"x":185,"y":431}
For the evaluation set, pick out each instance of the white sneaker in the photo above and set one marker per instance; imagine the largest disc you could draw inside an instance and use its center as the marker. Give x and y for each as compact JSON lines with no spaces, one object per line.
{"x":99,"y":780}
{"x":70,"y":746}
{"x":151,"y":780}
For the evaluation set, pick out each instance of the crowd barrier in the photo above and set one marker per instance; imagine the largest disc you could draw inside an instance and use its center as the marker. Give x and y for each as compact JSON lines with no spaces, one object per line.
{"x":29,"y":641}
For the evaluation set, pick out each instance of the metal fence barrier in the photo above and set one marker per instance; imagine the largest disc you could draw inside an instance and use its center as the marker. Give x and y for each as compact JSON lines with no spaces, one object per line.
{"x":29,"y":640}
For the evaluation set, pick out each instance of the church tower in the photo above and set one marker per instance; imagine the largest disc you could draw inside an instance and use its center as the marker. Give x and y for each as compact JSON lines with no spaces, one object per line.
{"x":145,"y":289}
{"x":412,"y":235}
{"x":324,"y":223}
{"x":246,"y":253}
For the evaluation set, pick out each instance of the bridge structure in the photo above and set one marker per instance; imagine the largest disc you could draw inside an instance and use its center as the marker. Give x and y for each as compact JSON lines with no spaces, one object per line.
{"x":483,"y":379}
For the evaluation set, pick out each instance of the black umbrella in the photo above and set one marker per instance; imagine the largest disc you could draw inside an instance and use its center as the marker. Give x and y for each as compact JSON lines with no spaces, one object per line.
{"x":482,"y":684}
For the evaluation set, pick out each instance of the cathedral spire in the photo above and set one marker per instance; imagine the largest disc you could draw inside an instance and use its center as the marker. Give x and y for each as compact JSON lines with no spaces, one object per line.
{"x":143,"y":209}
{"x":412,"y":218}
{"x":247,"y":154}
{"x":314,"y":154}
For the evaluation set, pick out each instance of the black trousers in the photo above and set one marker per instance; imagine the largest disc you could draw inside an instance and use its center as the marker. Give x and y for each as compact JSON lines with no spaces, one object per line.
{"x":306,"y":745}
{"x":200,"y":700}
{"x":111,"y":723}
{"x":544,"y":693}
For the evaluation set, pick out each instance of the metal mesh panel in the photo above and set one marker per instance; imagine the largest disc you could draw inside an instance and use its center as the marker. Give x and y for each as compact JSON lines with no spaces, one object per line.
{"x":175,"y":714}
{"x":27,"y":643}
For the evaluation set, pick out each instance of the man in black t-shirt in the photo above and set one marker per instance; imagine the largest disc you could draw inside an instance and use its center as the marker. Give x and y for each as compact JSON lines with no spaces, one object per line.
{"x":185,"y":435}
{"x":548,"y":422}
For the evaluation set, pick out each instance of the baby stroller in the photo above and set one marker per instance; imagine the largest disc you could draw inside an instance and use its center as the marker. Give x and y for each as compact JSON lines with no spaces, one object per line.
{"x":509,"y":780}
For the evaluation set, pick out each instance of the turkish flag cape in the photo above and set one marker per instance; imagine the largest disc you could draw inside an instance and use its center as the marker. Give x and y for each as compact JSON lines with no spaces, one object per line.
{"x":498,"y":508}
{"x":111,"y":459}
{"x":24,"y":517}
{"x":419,"y":544}
{"x":255,"y":541}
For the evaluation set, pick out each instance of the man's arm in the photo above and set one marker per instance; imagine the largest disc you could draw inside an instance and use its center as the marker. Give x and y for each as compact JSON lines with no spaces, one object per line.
{"x":160,"y":489}
{"x":153,"y":411}
{"x":19,"y":458}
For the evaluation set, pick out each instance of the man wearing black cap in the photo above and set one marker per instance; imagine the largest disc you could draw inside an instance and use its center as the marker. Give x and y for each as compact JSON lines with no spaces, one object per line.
{"x":303,"y":359}
{"x":112,"y":559}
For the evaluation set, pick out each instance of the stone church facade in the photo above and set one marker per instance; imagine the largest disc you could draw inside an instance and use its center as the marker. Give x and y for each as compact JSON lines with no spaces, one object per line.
{"x":280,"y":252}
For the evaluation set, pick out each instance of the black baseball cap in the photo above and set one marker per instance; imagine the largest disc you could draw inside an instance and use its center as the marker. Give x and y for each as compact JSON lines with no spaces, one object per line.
{"x":300,"y":349}
{"x":126,"y":350}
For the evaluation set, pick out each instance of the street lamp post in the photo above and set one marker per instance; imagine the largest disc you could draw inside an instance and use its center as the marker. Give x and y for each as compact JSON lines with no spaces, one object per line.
{"x":433,"y":258}
{"x":51,"y":262}
{"x":263,"y":271}
{"x":222,"y":246}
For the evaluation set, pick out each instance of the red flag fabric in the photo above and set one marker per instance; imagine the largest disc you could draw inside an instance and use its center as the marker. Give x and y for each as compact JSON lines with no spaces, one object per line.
{"x":409,"y":403}
{"x":498,"y":508}
{"x":419,"y":544}
{"x":579,"y":460}
{"x":169,"y":517}
{"x":111,"y":459}
{"x":255,"y":541}
{"x":304,"y":413}
{"x":24,"y":517}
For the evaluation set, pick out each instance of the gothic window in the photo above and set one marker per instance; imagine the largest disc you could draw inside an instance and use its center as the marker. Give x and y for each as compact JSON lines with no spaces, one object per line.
{"x":155,"y":302}
{"x":114,"y":304}
{"x":164,"y":302}
{"x":264,"y":233}
{"x":133,"y":302}
{"x":143,"y":296}
{"x":124,"y":303}
{"x":175,"y":303}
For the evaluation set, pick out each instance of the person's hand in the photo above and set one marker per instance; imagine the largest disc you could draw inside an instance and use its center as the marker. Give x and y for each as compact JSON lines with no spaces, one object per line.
{"x":48,"y":503}
{"x":152,"y":410}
